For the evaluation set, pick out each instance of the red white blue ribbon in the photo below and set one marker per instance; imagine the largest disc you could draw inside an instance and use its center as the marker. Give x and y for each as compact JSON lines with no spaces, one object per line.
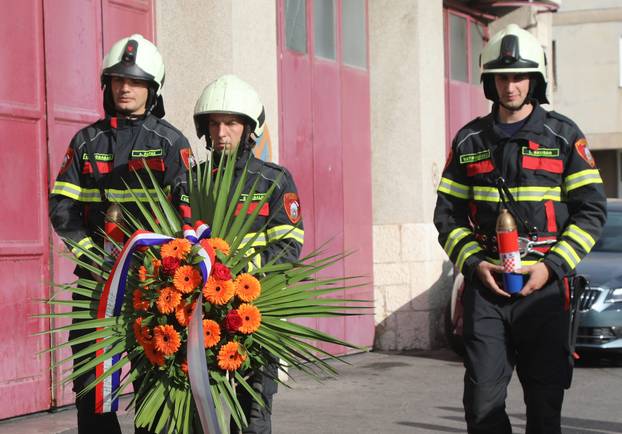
{"x":111,"y":303}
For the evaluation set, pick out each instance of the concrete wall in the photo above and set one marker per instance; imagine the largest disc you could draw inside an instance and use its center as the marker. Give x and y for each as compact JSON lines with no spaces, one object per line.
{"x":201,"y":40}
{"x":588,"y":68}
{"x":408,"y":153}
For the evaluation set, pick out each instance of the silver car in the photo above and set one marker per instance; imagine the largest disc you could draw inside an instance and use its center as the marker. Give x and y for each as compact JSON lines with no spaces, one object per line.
{"x":600,"y":308}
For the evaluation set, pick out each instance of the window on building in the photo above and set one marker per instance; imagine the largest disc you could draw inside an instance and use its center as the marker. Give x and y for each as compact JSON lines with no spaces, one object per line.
{"x":458,"y":46}
{"x":354,"y":28}
{"x":296,"y":25}
{"x":324,"y":28}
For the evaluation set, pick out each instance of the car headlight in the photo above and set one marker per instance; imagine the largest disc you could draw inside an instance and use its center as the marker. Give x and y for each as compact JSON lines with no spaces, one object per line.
{"x":614,"y":296}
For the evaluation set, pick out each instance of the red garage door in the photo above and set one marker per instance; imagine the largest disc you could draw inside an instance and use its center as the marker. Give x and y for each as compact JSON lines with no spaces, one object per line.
{"x":325,"y":139}
{"x":51,"y":53}
{"x":24,"y":247}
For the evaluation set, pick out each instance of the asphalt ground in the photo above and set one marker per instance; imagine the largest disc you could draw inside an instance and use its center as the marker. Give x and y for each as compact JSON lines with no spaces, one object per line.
{"x":415,"y":392}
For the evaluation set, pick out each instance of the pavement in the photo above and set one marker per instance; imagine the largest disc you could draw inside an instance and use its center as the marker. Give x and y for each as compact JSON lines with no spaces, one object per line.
{"x":417,"y":392}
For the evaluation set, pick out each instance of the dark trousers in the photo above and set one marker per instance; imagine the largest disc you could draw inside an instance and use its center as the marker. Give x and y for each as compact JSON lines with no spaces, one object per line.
{"x":530,"y":333}
{"x":259,"y":418}
{"x":90,"y":422}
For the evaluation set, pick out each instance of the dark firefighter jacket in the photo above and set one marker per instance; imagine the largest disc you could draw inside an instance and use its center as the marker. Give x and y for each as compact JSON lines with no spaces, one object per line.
{"x":549,"y":171}
{"x":118,"y":147}
{"x":279,"y":220}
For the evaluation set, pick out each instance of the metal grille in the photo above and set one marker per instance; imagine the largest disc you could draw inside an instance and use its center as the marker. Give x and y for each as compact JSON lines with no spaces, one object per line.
{"x":588,"y":298}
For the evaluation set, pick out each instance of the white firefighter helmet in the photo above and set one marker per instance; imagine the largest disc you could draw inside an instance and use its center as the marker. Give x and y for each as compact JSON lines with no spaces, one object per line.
{"x":513,"y":51}
{"x":138,"y":58}
{"x":231,"y":95}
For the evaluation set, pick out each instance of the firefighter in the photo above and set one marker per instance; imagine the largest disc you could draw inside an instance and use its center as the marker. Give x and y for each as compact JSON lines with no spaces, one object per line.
{"x":97,"y":173}
{"x":537,"y":163}
{"x":230,"y":115}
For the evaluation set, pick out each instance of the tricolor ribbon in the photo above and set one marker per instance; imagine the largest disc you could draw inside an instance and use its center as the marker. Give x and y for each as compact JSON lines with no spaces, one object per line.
{"x":111,"y":303}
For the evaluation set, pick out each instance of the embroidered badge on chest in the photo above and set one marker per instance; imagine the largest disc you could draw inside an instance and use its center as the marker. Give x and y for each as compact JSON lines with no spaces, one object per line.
{"x":584,"y":152}
{"x":291,"y":204}
{"x":475,"y":157}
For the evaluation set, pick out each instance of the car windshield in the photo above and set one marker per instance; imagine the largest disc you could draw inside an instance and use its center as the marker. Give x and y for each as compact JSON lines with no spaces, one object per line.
{"x":611,"y":238}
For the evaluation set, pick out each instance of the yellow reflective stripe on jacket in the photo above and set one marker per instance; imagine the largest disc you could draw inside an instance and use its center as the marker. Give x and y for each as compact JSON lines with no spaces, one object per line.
{"x":454,"y":238}
{"x":566,"y":251}
{"x":258,"y":242}
{"x":584,"y":177}
{"x":114,"y":195}
{"x":581,"y":237}
{"x":467,"y":250}
{"x":84,"y":244}
{"x":255,"y":261}
{"x":74,"y":192}
{"x":521,"y":194}
{"x":454,"y":188}
{"x":284,"y":232}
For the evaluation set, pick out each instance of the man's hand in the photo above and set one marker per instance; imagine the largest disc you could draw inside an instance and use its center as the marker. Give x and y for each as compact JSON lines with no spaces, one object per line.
{"x":538,"y":276}
{"x":484,"y":272}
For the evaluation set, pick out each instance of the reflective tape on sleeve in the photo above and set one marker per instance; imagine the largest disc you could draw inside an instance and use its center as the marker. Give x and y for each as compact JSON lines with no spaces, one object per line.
{"x":454,"y":238}
{"x":581,"y":237}
{"x":285,"y":232}
{"x":259,"y":241}
{"x":467,"y":251}
{"x":455,"y":189}
{"x":582,"y":178}
{"x":567,"y":253}
{"x":75,"y":192}
{"x":84,"y":244}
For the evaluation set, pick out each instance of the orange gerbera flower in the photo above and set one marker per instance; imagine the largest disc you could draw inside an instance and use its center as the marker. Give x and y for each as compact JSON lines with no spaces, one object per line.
{"x":186,"y":278}
{"x":137,"y":300}
{"x":218,"y":291}
{"x":177,"y":248}
{"x":211,"y":333}
{"x":141,"y":333}
{"x":166,"y":339}
{"x":168,"y":300}
{"x":143,"y":274}
{"x":183,"y":312}
{"x":251,"y":318}
{"x":156,"y":266}
{"x":154,"y":356}
{"x":220,"y":245}
{"x":247,"y":287}
{"x":229,"y":357}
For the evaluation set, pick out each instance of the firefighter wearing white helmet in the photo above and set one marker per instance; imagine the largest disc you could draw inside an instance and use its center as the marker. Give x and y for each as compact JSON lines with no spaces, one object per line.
{"x":231,"y":117}
{"x":233,"y":96}
{"x":97,"y":174}
{"x":134,"y":58}
{"x":514,"y":50}
{"x":536,"y":164}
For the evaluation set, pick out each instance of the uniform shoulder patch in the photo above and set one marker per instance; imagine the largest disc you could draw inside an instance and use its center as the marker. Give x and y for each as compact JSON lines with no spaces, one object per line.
{"x":584,"y":152}
{"x":187,"y":157}
{"x":67,"y":160}
{"x":291,"y":204}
